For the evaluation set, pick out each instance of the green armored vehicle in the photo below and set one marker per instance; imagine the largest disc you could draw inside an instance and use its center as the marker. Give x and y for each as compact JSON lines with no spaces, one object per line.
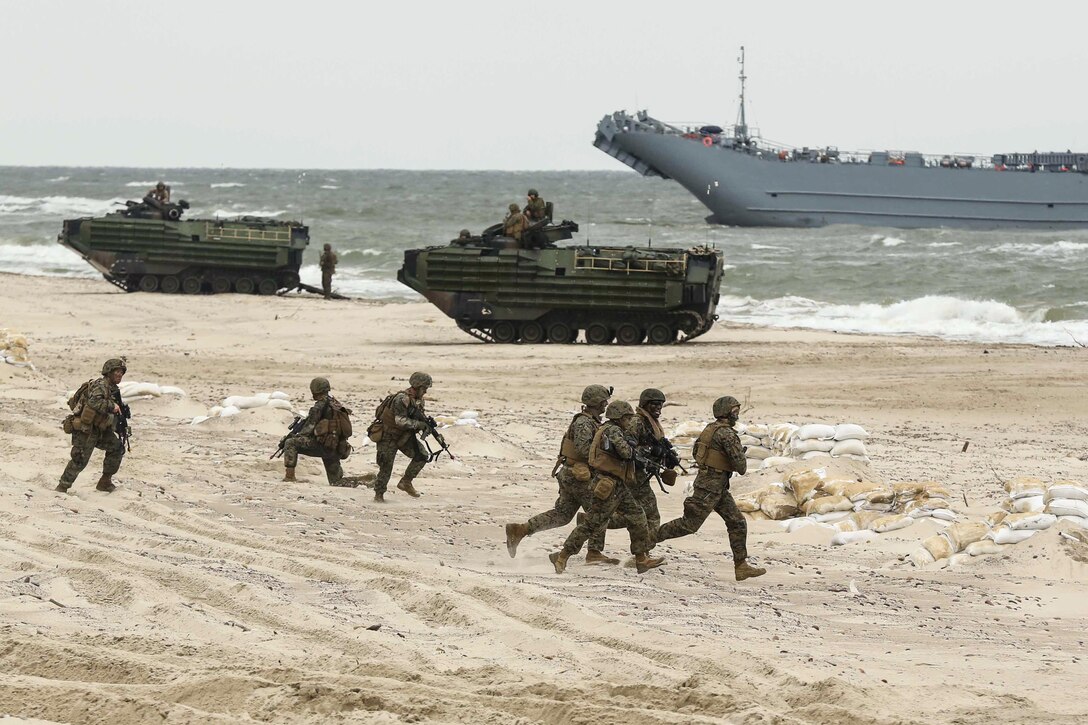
{"x":533,"y":291}
{"x":148,"y":247}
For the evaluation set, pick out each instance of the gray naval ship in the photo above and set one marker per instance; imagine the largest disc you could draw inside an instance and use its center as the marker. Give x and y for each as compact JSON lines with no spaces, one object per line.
{"x":747,"y":181}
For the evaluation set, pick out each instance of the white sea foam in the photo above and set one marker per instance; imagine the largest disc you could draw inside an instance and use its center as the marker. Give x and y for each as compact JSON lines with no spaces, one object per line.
{"x":348,"y":283}
{"x":938,"y":316}
{"x":758,"y":247}
{"x":43,"y":259}
{"x":226,"y":184}
{"x":1061,"y":248}
{"x":938,"y":245}
{"x":150,"y":184}
{"x":55,"y":205}
{"x":892,"y":241}
{"x":329,"y":186}
{"x":60,"y":178}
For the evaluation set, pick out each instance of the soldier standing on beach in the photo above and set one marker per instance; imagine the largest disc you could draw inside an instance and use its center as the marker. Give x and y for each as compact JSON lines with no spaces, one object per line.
{"x":573,"y":474}
{"x":98,"y":415}
{"x":719,"y":454}
{"x":328,"y":269}
{"x":399,"y":417}
{"x":611,"y":458}
{"x":320,"y":435}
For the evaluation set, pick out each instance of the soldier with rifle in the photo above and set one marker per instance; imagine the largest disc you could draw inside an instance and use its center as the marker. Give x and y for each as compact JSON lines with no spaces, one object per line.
{"x":99,"y":419}
{"x":323,"y":433}
{"x":398,"y":418}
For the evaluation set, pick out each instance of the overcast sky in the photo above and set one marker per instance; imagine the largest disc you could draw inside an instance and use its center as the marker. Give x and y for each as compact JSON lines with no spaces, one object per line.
{"x":489,"y":85}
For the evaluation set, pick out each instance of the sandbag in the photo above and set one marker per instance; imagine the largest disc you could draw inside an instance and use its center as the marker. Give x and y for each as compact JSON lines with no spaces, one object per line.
{"x":228,"y":411}
{"x":776,"y":461}
{"x":779,"y":505}
{"x":826,"y":505}
{"x":1005,"y":535}
{"x":757,"y":516}
{"x":881,"y":496}
{"x":279,"y":404}
{"x":279,"y":395}
{"x":748,"y":502}
{"x":815,"y":430}
{"x":837,"y":486}
{"x":849,"y":447}
{"x":804,"y":522}
{"x":860,"y":490}
{"x":747,"y":440}
{"x":1067,"y":507}
{"x":995,"y":517}
{"x":832,"y":517}
{"x":1067,"y":489}
{"x":134,"y":389}
{"x":172,"y":390}
{"x":850,"y":431}
{"x":814,"y":454}
{"x":805,"y":484}
{"x":892,"y":522}
{"x":1027,"y":504}
{"x":964,"y":533}
{"x":758,"y":453}
{"x":812,"y":444}
{"x":245,"y":402}
{"x":938,"y":547}
{"x":782,"y":433}
{"x":1078,"y":521}
{"x":1035,"y":521}
{"x":852,"y":537}
{"x":865,"y":519}
{"x":984,"y":548}
{"x":921,"y":556}
{"x":757,"y":429}
{"x":1025,"y":486}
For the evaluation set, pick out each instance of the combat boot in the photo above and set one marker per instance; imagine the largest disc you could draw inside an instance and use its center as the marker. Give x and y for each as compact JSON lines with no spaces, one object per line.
{"x":744,"y":570}
{"x":379,"y":496}
{"x":408,"y":488}
{"x":559,"y":560}
{"x":289,"y":474}
{"x":597,"y":557}
{"x":645,"y":562}
{"x":514,"y":534}
{"x":63,"y":487}
{"x":105,"y":484}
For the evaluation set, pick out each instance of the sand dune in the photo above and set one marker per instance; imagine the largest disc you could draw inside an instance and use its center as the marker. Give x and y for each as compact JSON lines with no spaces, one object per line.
{"x":207,"y":590}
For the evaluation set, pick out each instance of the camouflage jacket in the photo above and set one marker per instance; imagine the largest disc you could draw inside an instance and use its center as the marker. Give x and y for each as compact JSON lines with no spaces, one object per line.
{"x":535,"y":209}
{"x":514,"y":225}
{"x":328,"y":261}
{"x":646,"y":436}
{"x":320,"y":409}
{"x":99,"y":396}
{"x":581,"y":432}
{"x":403,"y":405}
{"x":727,"y":441}
{"x":620,"y":442}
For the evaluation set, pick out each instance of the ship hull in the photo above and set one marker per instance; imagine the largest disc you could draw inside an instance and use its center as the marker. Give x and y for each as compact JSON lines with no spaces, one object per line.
{"x":744,"y":189}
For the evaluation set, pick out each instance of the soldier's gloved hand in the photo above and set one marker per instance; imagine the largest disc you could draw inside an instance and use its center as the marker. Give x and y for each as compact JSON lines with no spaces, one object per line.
{"x":283,"y":441}
{"x":432,"y":422}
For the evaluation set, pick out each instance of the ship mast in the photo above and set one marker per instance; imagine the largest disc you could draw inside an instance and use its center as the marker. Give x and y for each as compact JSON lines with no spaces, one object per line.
{"x":741,"y":130}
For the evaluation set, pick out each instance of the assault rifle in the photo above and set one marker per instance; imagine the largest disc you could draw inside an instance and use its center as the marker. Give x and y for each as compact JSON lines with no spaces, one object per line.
{"x":432,"y":431}
{"x":662,"y":457}
{"x":295,"y":427}
{"x":121,"y":426}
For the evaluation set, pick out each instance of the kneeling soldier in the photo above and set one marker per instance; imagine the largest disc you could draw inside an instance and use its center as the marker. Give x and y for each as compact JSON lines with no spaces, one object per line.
{"x":321,"y":435}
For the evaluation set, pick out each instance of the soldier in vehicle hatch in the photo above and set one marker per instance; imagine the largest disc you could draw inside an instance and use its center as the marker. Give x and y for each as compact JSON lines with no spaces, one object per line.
{"x":160,"y":193}
{"x":515,"y":223}
{"x":572,"y":474}
{"x":719,"y":454}
{"x":535,"y":208}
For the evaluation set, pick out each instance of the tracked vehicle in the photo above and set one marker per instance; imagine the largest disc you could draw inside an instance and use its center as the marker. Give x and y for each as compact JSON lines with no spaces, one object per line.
{"x":501,"y":290}
{"x":148,"y":247}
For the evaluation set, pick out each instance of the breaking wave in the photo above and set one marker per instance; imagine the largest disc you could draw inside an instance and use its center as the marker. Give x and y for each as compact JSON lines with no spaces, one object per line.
{"x":226,"y":184}
{"x":43,"y":259}
{"x":55,"y":205}
{"x":1041,"y":249}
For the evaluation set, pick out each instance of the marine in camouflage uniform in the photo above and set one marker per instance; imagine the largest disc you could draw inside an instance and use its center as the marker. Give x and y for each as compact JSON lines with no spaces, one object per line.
{"x":572,"y":473}
{"x":612,"y":462}
{"x":160,"y":192}
{"x":308,"y":442}
{"x":515,"y":223}
{"x":328,"y":269}
{"x":535,"y":208}
{"x":403,"y":415}
{"x":94,"y":425}
{"x":719,"y":454}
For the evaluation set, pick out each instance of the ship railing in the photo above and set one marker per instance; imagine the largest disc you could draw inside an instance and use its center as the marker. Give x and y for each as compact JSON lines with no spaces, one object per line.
{"x":633,"y":265}
{"x":245,"y":234}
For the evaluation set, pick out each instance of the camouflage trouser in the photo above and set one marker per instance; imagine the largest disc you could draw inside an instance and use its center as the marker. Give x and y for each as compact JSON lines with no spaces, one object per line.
{"x":573,"y":495}
{"x":296,"y":446}
{"x":711,"y":495}
{"x":643,"y":491}
{"x":600,"y":511}
{"x":387,"y":454}
{"x":84,"y":443}
{"x":326,"y":282}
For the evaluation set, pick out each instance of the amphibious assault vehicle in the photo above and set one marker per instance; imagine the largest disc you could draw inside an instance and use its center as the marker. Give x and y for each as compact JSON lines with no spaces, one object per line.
{"x":148,"y":247}
{"x":501,"y":290}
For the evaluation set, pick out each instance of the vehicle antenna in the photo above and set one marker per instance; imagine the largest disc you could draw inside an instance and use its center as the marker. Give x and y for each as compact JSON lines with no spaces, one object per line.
{"x":299,"y":197}
{"x":650,"y":225}
{"x":741,"y":131}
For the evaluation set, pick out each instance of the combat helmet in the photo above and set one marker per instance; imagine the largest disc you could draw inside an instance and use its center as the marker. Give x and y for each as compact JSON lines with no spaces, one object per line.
{"x":420,"y":380}
{"x":723,"y":405}
{"x":650,"y":395}
{"x":319,"y":386}
{"x":464,"y":234}
{"x":114,"y":363}
{"x":160,"y":186}
{"x":533,"y":192}
{"x":595,"y":395}
{"x":515,"y":208}
{"x":617,"y":409}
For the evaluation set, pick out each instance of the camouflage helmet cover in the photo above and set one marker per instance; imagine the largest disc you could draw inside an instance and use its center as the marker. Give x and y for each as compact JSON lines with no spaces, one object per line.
{"x":320,"y":386}
{"x":650,"y":395}
{"x":420,"y":380}
{"x":465,"y":234}
{"x":533,"y":192}
{"x":114,"y":363}
{"x":515,"y":207}
{"x":160,"y":185}
{"x":595,"y":395}
{"x":328,"y":246}
{"x":617,"y":409}
{"x":723,"y":405}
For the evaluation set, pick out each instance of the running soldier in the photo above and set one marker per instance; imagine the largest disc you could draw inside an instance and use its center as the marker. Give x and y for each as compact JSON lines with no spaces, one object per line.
{"x":322,"y":435}
{"x":573,"y":474}
{"x":719,"y":454}
{"x":399,"y":417}
{"x":98,"y":415}
{"x":611,"y":458}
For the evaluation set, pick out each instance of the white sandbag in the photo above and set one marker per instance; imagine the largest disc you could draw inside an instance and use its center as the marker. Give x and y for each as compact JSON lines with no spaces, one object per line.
{"x":852,"y":537}
{"x":831,"y":518}
{"x":815,"y":454}
{"x":1067,"y":489}
{"x":135,"y":389}
{"x":1067,"y":507}
{"x":172,"y":390}
{"x":279,"y":404}
{"x":803,"y":522}
{"x":1037,"y":522}
{"x":1027,"y":504}
{"x":815,"y":430}
{"x":687,"y":429}
{"x":1025,"y":486}
{"x":862,"y":490}
{"x":244,"y":402}
{"x":757,"y":429}
{"x":944,"y":514}
{"x":747,"y":440}
{"x":782,"y":433}
{"x":200,"y":419}
{"x":229,"y":410}
{"x":279,"y":395}
{"x":467,"y":421}
{"x":850,"y":431}
{"x":965,"y":533}
{"x":892,"y":522}
{"x":812,"y":444}
{"x":767,"y":442}
{"x":847,"y":524}
{"x":984,"y":547}
{"x":776,"y":461}
{"x":1078,"y":521}
{"x":826,"y":505}
{"x":758,"y":453}
{"x":921,"y":557}
{"x":994,"y":518}
{"x":805,"y":483}
{"x":468,"y":414}
{"x":215,"y":411}
{"x":849,"y":447}
{"x":1005,"y":535}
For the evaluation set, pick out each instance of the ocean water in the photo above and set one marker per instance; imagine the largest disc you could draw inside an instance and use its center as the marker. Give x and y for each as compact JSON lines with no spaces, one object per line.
{"x":984,"y":286}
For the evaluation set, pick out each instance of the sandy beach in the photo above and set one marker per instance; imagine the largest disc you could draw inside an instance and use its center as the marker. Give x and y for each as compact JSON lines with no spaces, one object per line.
{"x":206,"y":590}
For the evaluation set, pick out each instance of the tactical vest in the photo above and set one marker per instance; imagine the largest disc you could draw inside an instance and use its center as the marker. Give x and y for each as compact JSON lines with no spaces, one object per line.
{"x":655,"y":426}
{"x":568,"y":452}
{"x":84,"y":417}
{"x":335,"y":424}
{"x":705,"y":454}
{"x":608,"y":462}
{"x":389,"y":418}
